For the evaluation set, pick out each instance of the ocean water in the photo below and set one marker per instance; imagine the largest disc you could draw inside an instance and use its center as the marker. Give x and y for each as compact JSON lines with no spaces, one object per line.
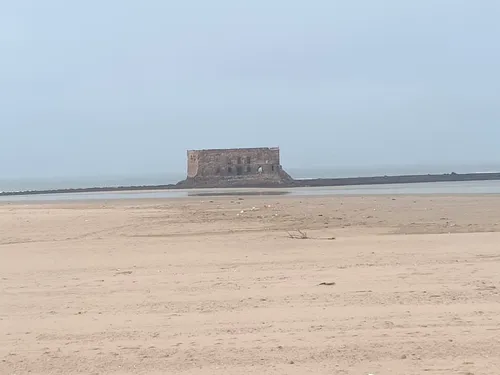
{"x":23,"y":184}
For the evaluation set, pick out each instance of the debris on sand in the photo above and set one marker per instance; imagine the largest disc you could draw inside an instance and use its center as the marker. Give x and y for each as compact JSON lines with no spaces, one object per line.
{"x":123,"y":273}
{"x":299,"y":235}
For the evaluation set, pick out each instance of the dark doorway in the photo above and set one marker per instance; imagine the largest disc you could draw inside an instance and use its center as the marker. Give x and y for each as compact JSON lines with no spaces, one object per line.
{"x":229,"y":170}
{"x":239,"y":170}
{"x":249,"y":169}
{"x":239,"y":160}
{"x":248,"y":159}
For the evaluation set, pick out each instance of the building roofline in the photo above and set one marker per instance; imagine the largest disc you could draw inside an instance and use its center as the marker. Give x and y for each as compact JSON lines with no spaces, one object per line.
{"x":236,"y":149}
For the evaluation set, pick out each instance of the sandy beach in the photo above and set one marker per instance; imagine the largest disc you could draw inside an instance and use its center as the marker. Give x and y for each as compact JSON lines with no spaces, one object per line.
{"x":252,"y":285}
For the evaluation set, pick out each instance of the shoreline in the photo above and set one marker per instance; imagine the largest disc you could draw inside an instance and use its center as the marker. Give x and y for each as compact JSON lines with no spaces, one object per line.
{"x":299,"y":183}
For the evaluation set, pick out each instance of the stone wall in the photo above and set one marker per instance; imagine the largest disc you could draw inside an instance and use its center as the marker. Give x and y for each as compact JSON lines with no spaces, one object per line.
{"x":233,"y":167}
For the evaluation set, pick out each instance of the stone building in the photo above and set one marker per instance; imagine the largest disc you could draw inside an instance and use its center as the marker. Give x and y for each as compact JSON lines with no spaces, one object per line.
{"x":238,"y":166}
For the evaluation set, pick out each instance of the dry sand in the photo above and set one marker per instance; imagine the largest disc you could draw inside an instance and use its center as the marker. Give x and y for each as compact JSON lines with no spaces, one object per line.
{"x":216,"y":286}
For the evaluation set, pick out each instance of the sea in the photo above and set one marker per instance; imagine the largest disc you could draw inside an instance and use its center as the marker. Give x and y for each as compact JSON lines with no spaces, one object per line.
{"x":462,"y":187}
{"x":9,"y":184}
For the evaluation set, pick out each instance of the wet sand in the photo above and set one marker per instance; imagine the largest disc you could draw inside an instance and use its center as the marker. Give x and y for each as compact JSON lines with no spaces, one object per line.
{"x":378,"y":285}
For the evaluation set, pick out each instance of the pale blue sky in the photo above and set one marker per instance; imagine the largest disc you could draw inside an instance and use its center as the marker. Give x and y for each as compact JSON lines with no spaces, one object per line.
{"x":125,"y":86}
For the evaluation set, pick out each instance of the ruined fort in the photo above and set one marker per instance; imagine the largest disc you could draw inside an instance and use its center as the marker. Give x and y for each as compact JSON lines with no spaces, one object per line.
{"x":235,"y":167}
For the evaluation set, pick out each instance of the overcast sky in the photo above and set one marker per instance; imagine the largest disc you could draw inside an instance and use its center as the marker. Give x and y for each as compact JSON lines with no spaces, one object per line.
{"x":125,"y":86}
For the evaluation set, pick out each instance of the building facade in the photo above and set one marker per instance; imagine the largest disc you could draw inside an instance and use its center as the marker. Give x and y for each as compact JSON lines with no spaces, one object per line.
{"x":239,"y":164}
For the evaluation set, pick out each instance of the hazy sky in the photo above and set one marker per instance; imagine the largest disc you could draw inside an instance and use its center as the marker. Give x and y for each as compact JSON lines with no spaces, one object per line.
{"x":126,"y":86}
